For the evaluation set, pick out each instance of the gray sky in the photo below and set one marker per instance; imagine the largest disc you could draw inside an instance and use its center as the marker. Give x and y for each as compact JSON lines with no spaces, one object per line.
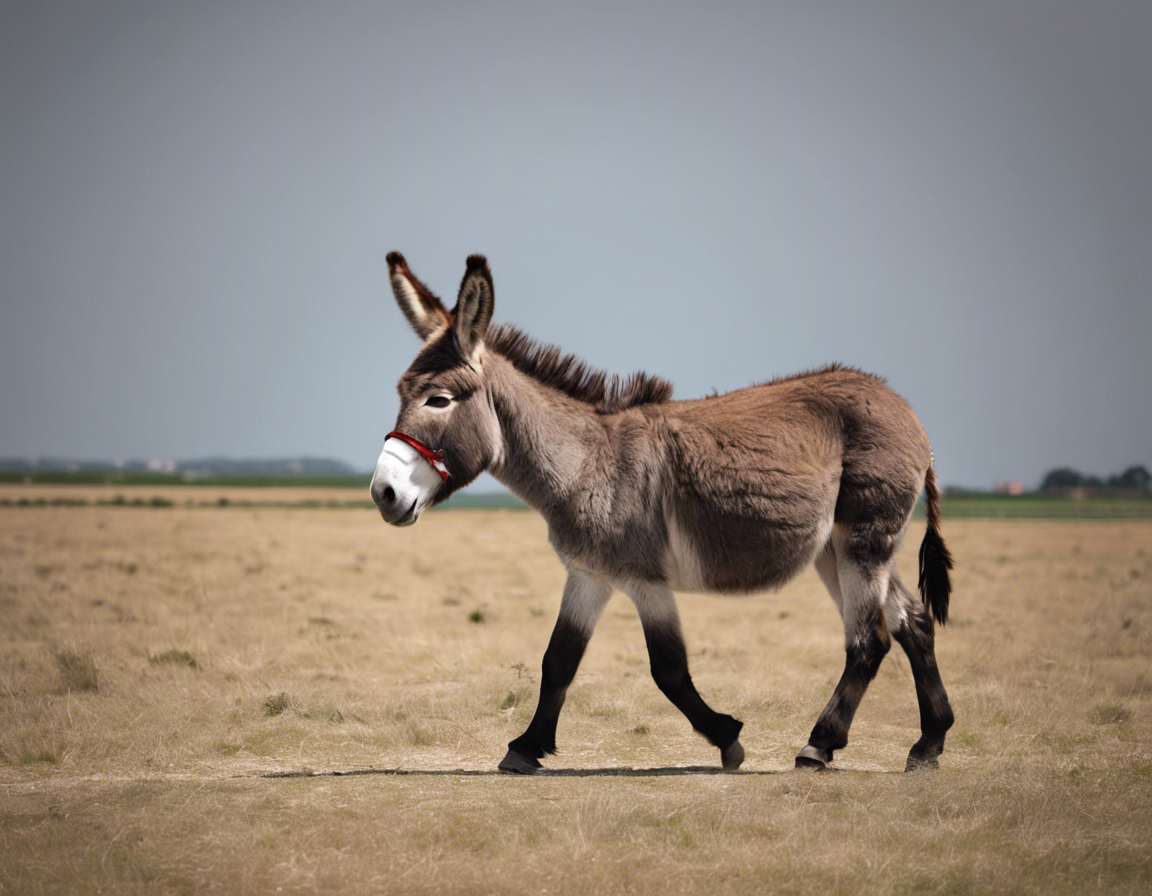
{"x":196,"y":200}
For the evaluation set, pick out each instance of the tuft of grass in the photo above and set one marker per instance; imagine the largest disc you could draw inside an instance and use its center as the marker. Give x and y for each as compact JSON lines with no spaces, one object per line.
{"x":1109,"y":714}
{"x":328,"y":714}
{"x":77,"y":669}
{"x":1136,"y":686}
{"x":173,"y":657}
{"x":277,"y":704}
{"x":30,"y":757}
{"x":477,"y":616}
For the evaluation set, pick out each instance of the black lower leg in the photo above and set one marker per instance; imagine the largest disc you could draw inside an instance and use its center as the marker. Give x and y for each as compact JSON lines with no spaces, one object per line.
{"x":669,"y":662}
{"x":561,"y":659}
{"x":917,"y":638}
{"x":831,"y":730}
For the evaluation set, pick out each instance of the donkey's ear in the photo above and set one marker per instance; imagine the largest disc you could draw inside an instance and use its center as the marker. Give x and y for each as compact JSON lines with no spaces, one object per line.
{"x":473,"y":311}
{"x":424,"y":311}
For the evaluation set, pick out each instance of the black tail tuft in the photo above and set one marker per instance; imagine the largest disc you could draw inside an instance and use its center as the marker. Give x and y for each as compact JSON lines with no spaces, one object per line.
{"x":935,"y":561}
{"x":935,"y":584}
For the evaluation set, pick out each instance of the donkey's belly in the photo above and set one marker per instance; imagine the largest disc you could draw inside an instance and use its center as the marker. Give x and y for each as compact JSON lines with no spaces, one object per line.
{"x":723,"y":553}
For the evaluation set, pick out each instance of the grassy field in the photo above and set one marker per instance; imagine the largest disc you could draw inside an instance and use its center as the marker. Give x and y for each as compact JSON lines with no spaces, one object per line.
{"x":168,"y":490}
{"x":1044,"y":507}
{"x":327,"y":493}
{"x":156,"y":663}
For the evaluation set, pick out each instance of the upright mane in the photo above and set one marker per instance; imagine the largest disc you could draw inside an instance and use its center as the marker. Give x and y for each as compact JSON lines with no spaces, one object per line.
{"x":568,"y":374}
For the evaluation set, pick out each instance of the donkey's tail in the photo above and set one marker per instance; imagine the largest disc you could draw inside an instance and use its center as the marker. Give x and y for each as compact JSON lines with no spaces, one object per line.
{"x":935,"y":561}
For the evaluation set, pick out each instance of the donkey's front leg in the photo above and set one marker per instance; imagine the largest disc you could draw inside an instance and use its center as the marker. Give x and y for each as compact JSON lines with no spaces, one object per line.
{"x":669,"y":660}
{"x":580,"y":608}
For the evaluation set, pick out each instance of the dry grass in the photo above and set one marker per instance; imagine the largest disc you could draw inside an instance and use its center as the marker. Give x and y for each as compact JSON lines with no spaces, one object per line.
{"x":77,"y":670}
{"x":227,"y":643}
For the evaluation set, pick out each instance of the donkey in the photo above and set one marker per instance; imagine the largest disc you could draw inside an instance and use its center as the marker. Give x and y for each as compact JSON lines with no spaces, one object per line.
{"x":732,"y":493}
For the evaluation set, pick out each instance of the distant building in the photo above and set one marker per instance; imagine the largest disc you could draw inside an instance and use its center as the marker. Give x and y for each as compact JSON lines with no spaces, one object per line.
{"x":1009,"y":488}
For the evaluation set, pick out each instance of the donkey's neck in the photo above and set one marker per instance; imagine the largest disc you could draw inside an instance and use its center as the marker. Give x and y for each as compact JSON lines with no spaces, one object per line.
{"x":548,"y":438}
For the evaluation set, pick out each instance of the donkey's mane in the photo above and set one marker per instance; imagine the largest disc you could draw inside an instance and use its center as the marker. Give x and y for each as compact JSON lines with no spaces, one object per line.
{"x":568,"y":374}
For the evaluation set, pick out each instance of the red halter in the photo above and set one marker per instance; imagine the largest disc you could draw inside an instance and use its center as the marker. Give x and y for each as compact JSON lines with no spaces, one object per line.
{"x":435,"y":458}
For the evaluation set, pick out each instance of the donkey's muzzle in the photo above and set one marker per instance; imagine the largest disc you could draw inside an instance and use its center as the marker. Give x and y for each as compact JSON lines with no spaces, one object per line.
{"x":404,"y":483}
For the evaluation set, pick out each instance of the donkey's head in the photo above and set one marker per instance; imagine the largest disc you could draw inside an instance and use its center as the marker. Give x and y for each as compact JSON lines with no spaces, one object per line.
{"x":446,"y":433}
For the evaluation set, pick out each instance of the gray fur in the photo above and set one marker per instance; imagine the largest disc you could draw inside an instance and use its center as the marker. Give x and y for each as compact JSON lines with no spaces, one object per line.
{"x":734,"y":493}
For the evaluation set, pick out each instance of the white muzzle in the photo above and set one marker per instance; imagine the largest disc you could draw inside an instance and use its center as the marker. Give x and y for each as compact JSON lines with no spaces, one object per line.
{"x":404,"y":483}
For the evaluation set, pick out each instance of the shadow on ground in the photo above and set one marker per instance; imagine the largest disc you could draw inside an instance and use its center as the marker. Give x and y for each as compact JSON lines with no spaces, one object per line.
{"x":540,"y":773}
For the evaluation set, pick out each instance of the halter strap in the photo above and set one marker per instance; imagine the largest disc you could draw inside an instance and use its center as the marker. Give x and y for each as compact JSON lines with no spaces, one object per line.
{"x":435,"y":458}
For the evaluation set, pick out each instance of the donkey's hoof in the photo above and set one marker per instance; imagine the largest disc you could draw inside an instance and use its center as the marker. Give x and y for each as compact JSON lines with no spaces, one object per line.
{"x":918,"y":760}
{"x":813,"y":758}
{"x":515,"y":764}
{"x":924,"y":753}
{"x":731,"y":756}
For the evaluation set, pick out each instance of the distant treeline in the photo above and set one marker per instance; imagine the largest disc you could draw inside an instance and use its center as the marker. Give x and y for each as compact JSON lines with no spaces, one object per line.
{"x":1064,"y":480}
{"x":41,"y":469}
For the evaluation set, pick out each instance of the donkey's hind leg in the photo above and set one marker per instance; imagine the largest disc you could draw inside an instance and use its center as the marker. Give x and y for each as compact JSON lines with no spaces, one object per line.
{"x":669,"y":660}
{"x":580,"y":608}
{"x":857,"y":579}
{"x":911,"y":625}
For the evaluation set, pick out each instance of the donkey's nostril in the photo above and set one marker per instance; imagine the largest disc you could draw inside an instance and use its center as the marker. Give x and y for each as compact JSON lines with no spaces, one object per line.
{"x":389,"y":495}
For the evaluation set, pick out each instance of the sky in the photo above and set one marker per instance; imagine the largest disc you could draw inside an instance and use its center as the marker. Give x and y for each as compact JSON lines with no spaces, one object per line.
{"x":196,"y":200}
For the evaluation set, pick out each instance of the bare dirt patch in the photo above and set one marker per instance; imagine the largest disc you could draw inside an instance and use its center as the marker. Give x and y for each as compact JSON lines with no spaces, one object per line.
{"x":232,"y":643}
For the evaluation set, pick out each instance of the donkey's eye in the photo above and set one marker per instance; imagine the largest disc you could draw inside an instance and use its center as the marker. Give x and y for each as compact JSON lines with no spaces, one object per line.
{"x":438,"y":401}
